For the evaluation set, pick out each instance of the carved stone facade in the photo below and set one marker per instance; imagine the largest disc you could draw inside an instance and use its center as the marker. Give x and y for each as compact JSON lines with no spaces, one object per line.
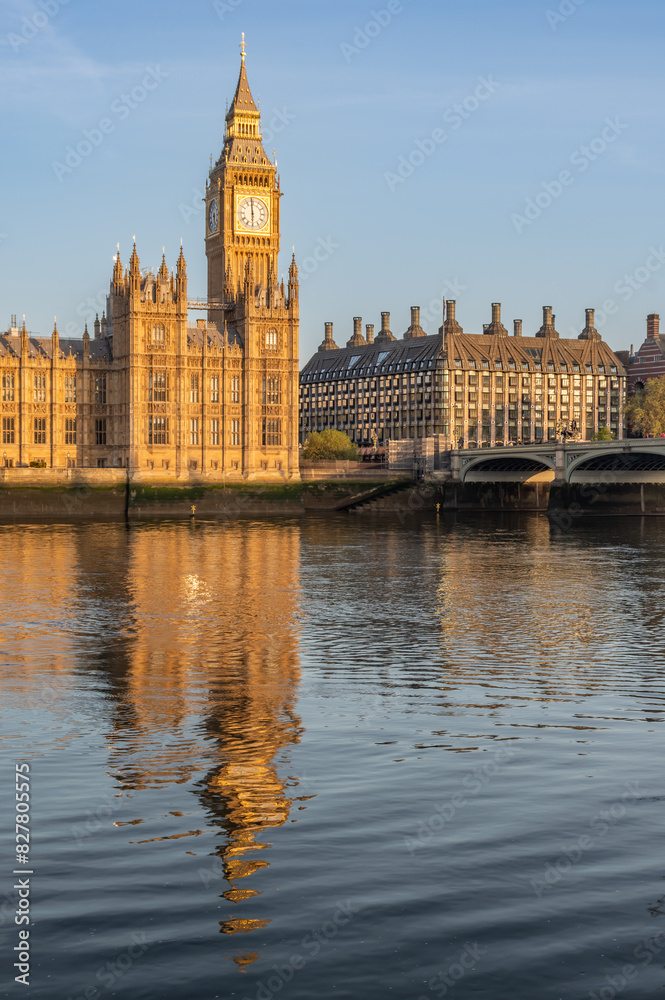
{"x":154,"y":394}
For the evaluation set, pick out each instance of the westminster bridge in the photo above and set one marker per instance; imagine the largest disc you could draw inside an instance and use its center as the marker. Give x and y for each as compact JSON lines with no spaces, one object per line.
{"x":635,"y":460}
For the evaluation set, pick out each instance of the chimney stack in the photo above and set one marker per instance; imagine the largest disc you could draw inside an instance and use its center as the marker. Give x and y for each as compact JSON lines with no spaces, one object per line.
{"x":653,"y":326}
{"x":415,"y":330}
{"x":496,"y":327}
{"x":369,"y":329}
{"x":385,"y":333}
{"x":548,"y":328}
{"x":589,"y":332}
{"x":329,"y":344}
{"x":357,"y":340}
{"x":517,"y":324}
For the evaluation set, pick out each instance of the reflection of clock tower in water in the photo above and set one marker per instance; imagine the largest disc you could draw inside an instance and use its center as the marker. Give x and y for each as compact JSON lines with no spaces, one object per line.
{"x":242,"y":203}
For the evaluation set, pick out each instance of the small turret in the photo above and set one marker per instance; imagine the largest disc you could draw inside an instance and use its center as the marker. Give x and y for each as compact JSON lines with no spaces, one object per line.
{"x":163,"y":272}
{"x":98,"y":329}
{"x":250,"y":272}
{"x":118,"y":272}
{"x":86,"y":342}
{"x":181,"y":277}
{"x":294,"y":283}
{"x":228,"y":283}
{"x":134,"y":273}
{"x":271,"y":285}
{"x":134,"y":262}
{"x":55,"y":338}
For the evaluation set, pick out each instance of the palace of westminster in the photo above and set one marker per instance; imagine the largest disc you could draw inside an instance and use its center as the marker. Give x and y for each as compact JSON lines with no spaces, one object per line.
{"x":224,"y":399}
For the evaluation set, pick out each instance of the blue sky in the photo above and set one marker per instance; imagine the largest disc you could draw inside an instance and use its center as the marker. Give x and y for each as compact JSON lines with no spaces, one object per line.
{"x":355,"y":92}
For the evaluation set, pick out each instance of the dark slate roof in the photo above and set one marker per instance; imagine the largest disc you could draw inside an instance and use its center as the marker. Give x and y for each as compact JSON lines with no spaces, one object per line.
{"x":530,"y":350}
{"x":10,"y":347}
{"x":373,"y":359}
{"x":471,"y":349}
{"x":215,"y":337}
{"x":42,"y":347}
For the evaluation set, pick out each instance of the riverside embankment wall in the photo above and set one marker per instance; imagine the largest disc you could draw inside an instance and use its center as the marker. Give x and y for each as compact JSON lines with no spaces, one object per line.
{"x":108,"y":494}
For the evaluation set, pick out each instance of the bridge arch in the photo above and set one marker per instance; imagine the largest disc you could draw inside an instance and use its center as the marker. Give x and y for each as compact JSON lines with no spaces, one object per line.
{"x":619,"y":466}
{"x":509,"y":468}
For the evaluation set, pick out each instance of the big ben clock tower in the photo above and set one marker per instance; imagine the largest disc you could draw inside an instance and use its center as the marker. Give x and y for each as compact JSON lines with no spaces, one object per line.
{"x":253,"y":315}
{"x":242,"y":203}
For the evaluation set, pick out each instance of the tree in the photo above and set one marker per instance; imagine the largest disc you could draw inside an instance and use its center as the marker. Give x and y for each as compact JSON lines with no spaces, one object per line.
{"x":645,"y":411}
{"x":330,"y":446}
{"x":604,"y":434}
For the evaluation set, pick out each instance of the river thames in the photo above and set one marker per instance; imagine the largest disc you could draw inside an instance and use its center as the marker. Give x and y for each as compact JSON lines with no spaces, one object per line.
{"x":340,"y":757}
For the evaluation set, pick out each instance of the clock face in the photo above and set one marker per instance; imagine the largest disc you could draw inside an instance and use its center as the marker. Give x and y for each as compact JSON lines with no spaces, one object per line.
{"x":253,"y":213}
{"x":213,"y":216}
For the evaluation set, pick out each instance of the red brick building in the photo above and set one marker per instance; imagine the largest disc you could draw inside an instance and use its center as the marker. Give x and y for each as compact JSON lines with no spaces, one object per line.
{"x":649,"y":361}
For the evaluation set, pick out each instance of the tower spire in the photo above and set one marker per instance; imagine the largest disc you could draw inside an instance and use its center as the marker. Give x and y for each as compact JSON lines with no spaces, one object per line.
{"x":243,"y":102}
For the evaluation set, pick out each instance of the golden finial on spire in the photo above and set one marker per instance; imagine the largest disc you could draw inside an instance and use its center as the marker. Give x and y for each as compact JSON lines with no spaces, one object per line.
{"x":243,"y":47}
